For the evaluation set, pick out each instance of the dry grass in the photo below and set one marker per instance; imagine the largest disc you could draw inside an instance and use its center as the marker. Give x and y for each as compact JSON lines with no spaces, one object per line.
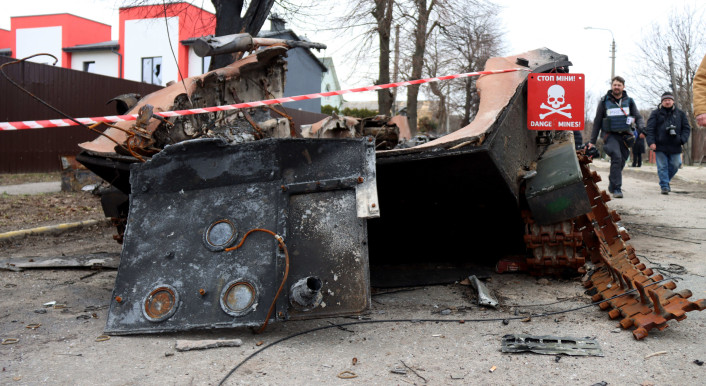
{"x":23,"y":178}
{"x":28,"y":211}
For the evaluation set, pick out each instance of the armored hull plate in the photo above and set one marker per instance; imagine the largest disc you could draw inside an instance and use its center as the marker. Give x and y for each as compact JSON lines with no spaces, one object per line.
{"x":195,"y":199}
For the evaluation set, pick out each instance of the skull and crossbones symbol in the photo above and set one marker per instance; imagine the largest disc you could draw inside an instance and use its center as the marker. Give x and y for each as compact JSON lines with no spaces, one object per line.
{"x":555,"y":98}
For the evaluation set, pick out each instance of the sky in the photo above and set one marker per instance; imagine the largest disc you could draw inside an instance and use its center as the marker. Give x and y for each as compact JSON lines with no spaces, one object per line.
{"x":528,"y":25}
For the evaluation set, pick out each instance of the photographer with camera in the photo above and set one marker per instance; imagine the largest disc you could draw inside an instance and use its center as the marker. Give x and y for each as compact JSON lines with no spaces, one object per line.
{"x":616,"y":117}
{"x":667,"y":130}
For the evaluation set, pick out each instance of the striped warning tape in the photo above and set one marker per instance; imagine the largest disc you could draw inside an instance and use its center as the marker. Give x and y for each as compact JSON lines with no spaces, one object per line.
{"x":117,"y":118}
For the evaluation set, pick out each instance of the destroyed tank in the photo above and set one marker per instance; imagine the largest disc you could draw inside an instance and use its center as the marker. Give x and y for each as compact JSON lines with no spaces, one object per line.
{"x":234,"y":219}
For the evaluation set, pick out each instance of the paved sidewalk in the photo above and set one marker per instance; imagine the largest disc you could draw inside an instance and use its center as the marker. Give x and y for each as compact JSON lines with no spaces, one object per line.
{"x":693,"y":174}
{"x":33,"y":188}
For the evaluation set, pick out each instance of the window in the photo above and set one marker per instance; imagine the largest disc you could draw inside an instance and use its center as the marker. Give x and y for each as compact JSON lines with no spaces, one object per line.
{"x":89,"y":66}
{"x":205,"y":63}
{"x":152,"y":70}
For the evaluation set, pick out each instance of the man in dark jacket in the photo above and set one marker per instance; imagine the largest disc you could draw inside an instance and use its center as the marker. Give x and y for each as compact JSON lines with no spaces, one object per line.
{"x":667,"y":130}
{"x":638,"y":148}
{"x":616,"y":115}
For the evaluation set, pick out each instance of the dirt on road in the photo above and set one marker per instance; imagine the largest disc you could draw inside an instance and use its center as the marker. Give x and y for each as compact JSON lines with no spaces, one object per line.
{"x":410,"y":336}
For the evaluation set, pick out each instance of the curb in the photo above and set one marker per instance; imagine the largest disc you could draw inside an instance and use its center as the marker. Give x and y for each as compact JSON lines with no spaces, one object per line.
{"x":48,"y":229}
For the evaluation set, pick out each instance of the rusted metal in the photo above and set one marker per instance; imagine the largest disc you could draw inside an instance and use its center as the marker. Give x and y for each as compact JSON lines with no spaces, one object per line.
{"x":631,"y":292}
{"x":382,"y":129}
{"x":239,"y":81}
{"x":75,"y":176}
{"x":161,"y":303}
{"x":554,"y":247}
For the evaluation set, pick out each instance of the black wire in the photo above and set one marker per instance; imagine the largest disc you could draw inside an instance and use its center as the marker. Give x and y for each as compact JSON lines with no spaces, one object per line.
{"x":676,"y":269}
{"x":2,"y":70}
{"x":341,"y":325}
{"x":397,"y":291}
{"x":541,"y":305}
{"x":166,"y":25}
{"x":664,"y":237}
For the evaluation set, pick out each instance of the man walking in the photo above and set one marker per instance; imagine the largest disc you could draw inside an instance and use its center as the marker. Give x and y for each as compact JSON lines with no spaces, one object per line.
{"x":638,"y":148}
{"x":616,"y":115}
{"x":667,"y":130}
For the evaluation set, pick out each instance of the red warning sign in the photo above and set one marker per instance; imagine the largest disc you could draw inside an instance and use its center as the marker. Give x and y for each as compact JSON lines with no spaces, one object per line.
{"x":555,"y":101}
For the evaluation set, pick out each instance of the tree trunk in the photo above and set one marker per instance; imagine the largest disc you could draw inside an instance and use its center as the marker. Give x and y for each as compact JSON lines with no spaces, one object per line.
{"x":383,"y":16}
{"x":256,"y":15}
{"x":420,"y":41}
{"x":229,"y":21}
{"x":436,"y":90}
{"x":467,"y":103}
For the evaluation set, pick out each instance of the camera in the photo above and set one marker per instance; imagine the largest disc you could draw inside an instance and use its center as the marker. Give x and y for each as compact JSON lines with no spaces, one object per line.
{"x":672,"y":130}
{"x":590,"y":152}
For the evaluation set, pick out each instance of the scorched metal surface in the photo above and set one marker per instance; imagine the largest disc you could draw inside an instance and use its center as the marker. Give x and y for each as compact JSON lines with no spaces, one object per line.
{"x":197,"y":198}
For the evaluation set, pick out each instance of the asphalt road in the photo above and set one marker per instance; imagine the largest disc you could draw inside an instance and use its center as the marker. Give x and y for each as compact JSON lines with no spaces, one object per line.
{"x":391,"y":344}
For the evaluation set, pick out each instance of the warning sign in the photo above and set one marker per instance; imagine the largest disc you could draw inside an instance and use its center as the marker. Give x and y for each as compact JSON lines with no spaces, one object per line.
{"x":555,"y":101}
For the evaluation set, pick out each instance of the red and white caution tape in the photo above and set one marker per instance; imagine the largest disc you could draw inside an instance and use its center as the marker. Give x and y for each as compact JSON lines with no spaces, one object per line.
{"x":117,"y":118}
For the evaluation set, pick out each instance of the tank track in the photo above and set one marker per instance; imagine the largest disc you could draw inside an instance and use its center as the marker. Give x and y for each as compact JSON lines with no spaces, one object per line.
{"x":624,"y":286}
{"x":555,"y":247}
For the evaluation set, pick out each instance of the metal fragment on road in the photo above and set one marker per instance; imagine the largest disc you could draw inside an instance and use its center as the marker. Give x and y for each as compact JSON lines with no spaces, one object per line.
{"x":485,"y":298}
{"x":551,"y":345}
{"x":187,"y":345}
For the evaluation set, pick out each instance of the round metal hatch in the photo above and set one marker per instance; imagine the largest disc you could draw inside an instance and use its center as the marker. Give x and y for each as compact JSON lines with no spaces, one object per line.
{"x":238,"y":298}
{"x":161,"y":303}
{"x":220,"y":235}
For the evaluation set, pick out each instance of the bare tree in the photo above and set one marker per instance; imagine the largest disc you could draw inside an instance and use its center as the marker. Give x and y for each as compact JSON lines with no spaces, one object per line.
{"x":438,"y":63}
{"x":382,"y":12}
{"x":373,"y":20}
{"x":473,"y":39}
{"x":469,"y":37}
{"x":685,"y":33}
{"x":469,"y":33}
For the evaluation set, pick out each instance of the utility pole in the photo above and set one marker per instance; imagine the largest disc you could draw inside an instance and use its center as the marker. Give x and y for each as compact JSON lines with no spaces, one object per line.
{"x":671,"y":76}
{"x":612,"y":58}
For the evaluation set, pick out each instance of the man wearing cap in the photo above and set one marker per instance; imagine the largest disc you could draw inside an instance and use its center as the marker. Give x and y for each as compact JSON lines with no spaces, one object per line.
{"x":616,"y":115}
{"x":667,"y":130}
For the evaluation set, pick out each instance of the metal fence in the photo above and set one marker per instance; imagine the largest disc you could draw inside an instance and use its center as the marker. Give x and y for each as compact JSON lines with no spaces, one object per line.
{"x":76,"y":93}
